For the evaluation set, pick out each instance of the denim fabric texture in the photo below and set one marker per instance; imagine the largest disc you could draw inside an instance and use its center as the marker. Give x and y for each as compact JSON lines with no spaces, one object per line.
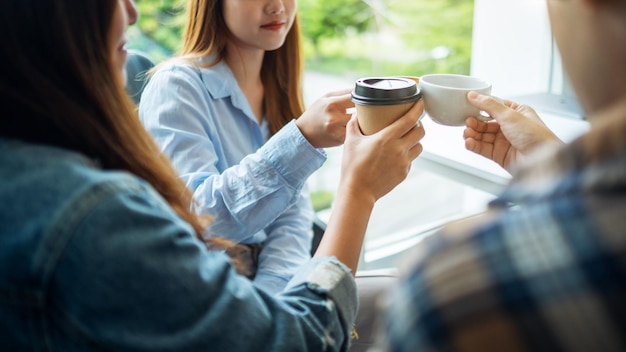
{"x":95,"y":260}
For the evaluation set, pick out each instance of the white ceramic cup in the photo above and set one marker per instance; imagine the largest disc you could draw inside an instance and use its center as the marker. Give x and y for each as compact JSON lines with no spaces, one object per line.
{"x":445,"y":97}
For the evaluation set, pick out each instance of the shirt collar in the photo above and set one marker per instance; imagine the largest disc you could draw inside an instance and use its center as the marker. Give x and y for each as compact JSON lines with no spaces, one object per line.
{"x":219,"y":80}
{"x":220,"y":83}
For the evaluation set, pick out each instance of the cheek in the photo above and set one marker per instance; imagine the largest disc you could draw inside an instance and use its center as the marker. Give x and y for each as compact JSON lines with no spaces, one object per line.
{"x":291,"y":7}
{"x":118,"y":61}
{"x":124,"y":75}
{"x":291,"y":10}
{"x":240,"y":25}
{"x":233,"y":13}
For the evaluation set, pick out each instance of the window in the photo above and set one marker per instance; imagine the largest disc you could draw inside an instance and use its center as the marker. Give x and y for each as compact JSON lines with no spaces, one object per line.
{"x":348,"y":39}
{"x":521,"y":60}
{"x":447,"y":182}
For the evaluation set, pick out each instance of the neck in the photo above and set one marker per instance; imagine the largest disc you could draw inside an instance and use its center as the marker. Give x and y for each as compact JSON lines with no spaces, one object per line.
{"x":245,"y":65}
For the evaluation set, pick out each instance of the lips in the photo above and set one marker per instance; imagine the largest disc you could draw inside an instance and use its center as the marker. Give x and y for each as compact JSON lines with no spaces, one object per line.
{"x":273,"y":26}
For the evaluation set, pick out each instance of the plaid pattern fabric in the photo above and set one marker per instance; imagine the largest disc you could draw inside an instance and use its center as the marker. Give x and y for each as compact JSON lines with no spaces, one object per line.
{"x":543,"y":270}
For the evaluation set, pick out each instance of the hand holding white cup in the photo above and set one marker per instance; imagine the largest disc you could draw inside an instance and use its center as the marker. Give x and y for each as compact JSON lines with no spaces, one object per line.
{"x":445,"y":97}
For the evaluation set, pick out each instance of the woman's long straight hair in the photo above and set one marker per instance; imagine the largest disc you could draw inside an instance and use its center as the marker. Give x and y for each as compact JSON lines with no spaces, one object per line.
{"x":206,"y":35}
{"x":63,"y":90}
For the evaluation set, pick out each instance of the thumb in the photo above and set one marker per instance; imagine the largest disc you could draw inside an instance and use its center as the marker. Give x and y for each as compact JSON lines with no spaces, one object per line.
{"x":343,"y":101}
{"x":493,"y":106}
{"x":352,"y":127}
{"x":339,"y":92}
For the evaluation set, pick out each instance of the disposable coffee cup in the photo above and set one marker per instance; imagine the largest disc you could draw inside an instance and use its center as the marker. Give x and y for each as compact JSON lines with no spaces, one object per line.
{"x":379,"y":101}
{"x":445,"y":97}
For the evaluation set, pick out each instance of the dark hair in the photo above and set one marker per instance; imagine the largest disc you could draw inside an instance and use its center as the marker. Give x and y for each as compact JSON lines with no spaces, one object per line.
{"x":62,"y":89}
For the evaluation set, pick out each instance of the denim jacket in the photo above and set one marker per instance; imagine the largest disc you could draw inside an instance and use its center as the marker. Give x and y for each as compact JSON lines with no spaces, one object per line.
{"x":92,"y":259}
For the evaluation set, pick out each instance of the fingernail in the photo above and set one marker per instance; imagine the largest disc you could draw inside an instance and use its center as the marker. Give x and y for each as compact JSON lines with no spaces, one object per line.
{"x":472,"y":95}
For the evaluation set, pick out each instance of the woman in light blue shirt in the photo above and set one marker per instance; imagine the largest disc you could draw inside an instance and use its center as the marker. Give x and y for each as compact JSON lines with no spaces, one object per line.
{"x":224,"y":111}
{"x":99,"y":250}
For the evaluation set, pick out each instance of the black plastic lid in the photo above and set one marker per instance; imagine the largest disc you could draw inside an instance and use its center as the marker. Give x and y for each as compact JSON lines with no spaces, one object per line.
{"x":385,"y":91}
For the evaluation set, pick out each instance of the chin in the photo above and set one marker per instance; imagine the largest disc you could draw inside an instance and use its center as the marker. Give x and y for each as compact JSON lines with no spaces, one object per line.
{"x":275,"y":46}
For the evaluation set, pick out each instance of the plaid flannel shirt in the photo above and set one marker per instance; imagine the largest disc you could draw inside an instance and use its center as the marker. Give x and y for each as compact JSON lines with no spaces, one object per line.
{"x":543,"y":270}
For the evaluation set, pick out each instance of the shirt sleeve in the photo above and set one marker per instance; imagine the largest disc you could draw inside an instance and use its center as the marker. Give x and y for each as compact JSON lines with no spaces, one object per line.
{"x":244,"y":198}
{"x":288,"y":245}
{"x":133,"y":276}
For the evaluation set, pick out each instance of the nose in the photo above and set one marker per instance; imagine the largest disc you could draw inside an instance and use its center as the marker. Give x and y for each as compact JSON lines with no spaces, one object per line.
{"x":131,"y":12}
{"x":274,"y":7}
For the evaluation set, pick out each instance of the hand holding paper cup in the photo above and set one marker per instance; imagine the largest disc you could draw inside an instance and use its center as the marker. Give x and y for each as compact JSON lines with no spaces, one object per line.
{"x":380,"y":101}
{"x":445,"y":97}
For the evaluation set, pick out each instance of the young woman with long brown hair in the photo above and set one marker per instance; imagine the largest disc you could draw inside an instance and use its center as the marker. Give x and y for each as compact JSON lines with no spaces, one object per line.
{"x":99,"y":250}
{"x":224,"y":111}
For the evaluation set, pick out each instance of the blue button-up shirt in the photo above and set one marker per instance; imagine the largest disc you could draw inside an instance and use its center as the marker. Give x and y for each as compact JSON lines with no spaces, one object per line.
{"x":96,"y":260}
{"x":253,"y":185}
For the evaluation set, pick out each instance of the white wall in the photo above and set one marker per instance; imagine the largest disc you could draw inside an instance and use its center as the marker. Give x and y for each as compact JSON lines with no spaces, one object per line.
{"x":512,"y":46}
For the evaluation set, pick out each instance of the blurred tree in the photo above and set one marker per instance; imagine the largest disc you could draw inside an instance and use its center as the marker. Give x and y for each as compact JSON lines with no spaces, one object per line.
{"x":347,"y":35}
{"x":333,"y":18}
{"x":162,"y":21}
{"x":442,"y":29}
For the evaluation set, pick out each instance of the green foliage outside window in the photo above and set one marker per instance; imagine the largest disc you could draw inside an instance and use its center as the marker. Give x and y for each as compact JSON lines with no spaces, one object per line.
{"x":352,"y":38}
{"x":348,"y":38}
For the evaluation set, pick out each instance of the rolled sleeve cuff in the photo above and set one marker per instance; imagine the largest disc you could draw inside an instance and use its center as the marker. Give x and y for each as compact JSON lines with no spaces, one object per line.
{"x":298,"y":159}
{"x":270,"y":283}
{"x":328,"y":276}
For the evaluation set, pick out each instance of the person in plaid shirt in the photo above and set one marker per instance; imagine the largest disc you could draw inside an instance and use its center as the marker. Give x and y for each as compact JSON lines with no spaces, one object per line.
{"x":545,"y":268}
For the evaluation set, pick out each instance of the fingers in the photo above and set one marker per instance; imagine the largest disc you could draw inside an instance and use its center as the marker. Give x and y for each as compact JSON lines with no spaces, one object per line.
{"x":414,"y":137}
{"x":477,"y":129}
{"x":476,"y":125}
{"x":415,"y":151}
{"x":487,"y":150}
{"x":478,"y":136}
{"x":406,"y":122}
{"x":476,"y":146}
{"x":341,"y":99}
{"x":471,"y":145}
